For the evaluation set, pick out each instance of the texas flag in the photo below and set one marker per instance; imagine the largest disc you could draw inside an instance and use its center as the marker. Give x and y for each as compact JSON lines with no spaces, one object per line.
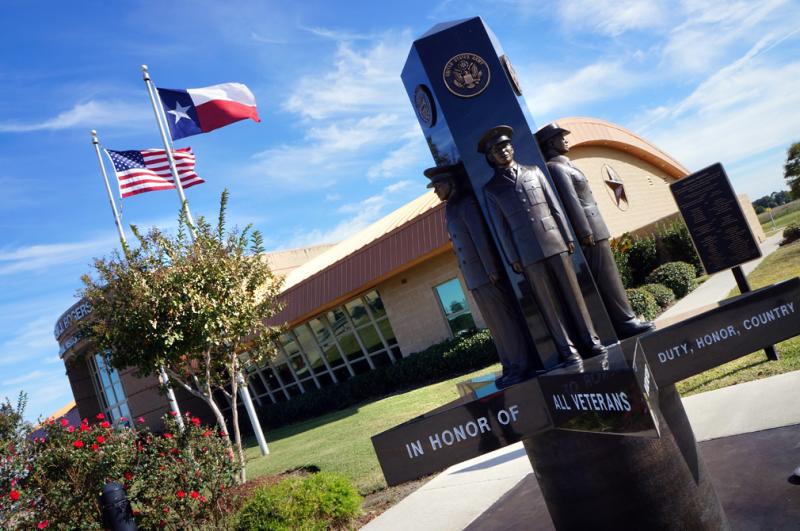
{"x":194,"y":111}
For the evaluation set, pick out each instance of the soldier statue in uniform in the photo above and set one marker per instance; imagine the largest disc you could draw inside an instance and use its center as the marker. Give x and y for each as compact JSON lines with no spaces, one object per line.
{"x":537,"y":242}
{"x":483,"y":272}
{"x":592,"y":232}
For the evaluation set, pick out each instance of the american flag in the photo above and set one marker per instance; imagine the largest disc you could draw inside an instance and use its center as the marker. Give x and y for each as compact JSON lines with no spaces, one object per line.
{"x":148,"y":170}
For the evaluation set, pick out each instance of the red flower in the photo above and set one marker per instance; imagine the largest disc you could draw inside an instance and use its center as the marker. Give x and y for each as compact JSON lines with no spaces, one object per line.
{"x":99,"y":416}
{"x":128,"y":476}
{"x":14,"y":495}
{"x":84,"y":420}
{"x":223,"y":434}
{"x":208,"y":433}
{"x":105,"y":424}
{"x":77,"y":444}
{"x":84,"y":427}
{"x":195,"y":421}
{"x":140,"y":420}
{"x":168,"y":435}
{"x":181,"y":494}
{"x":42,"y":524}
{"x":101,"y":439}
{"x":172,"y":413}
{"x":64,"y":422}
{"x":95,"y":447}
{"x":71,"y":429}
{"x":203,"y":499}
{"x":174,"y":451}
{"x":123,"y":419}
{"x":194,"y":494}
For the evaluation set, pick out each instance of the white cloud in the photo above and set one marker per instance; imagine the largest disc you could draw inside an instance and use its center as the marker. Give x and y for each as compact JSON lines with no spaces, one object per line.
{"x":88,"y":114}
{"x":45,"y":256}
{"x":742,"y":110}
{"x":366,"y":212}
{"x":355,"y":82}
{"x":711,"y":27}
{"x":413,"y":153}
{"x":612,"y":17}
{"x":594,"y":82}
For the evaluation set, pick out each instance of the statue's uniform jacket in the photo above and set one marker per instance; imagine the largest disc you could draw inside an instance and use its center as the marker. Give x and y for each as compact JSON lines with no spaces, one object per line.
{"x":579,"y":202}
{"x":471,"y":241}
{"x":478,"y":259}
{"x":533,"y":231}
{"x":582,"y":211}
{"x":526,"y":215}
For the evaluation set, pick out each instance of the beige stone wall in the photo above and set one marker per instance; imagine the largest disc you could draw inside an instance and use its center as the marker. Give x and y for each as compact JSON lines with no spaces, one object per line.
{"x":413,"y":308}
{"x":646,"y":186}
{"x":751,"y":217}
{"x":284,"y":262}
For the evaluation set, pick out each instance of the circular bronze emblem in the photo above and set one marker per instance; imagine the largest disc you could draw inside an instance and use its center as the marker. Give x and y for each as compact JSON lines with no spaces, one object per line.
{"x":466,"y":75}
{"x":512,"y":74}
{"x":615,"y":187}
{"x":424,"y":105}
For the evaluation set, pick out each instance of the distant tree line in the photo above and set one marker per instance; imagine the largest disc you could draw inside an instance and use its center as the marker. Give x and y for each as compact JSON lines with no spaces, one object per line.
{"x":771,"y":201}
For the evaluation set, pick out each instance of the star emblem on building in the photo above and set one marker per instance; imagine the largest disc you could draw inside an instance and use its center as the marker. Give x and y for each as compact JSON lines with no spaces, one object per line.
{"x":615,"y":187}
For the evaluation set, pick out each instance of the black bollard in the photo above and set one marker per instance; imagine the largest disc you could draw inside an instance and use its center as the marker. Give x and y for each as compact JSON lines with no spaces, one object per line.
{"x":117,"y":513}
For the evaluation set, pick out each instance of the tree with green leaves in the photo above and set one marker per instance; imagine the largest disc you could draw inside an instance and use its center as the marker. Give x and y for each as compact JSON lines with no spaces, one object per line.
{"x":791,"y":170}
{"x":195,"y":305}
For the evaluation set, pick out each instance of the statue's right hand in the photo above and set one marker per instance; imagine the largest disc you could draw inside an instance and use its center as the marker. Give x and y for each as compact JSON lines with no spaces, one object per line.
{"x":517,"y":267}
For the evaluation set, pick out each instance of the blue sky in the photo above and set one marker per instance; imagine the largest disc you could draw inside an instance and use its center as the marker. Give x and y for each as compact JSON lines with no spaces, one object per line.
{"x":339,"y":145}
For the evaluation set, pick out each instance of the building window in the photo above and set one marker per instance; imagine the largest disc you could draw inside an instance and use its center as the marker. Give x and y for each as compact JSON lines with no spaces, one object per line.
{"x":332,"y":347}
{"x":109,"y":390}
{"x":455,"y":307}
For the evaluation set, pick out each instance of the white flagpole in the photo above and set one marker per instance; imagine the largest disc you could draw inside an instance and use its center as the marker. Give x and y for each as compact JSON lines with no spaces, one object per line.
{"x":173,"y":402}
{"x":167,"y":147}
{"x":108,"y":190}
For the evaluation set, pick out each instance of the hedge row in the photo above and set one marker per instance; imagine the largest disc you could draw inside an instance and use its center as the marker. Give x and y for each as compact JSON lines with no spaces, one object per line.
{"x":438,"y":362}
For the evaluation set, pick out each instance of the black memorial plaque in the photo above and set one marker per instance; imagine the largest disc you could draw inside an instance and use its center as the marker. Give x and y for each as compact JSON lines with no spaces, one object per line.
{"x":441,"y":438}
{"x":709,"y":207}
{"x":741,"y":325}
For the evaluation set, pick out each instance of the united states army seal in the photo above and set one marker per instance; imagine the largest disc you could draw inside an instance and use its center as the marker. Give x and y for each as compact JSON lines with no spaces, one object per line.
{"x":466,"y":75}
{"x":423,"y":102}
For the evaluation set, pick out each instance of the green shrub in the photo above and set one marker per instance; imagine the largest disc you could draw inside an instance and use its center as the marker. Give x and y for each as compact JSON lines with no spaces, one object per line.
{"x":791,"y":233}
{"x":642,"y":258}
{"x":619,"y":248}
{"x":675,"y":245}
{"x":318,"y":502}
{"x":663,"y":295}
{"x":643,"y":303}
{"x":438,"y":362}
{"x":677,"y":276}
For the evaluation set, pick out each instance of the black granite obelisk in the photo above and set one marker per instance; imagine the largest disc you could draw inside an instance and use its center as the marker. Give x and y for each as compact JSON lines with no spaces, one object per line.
{"x":461,"y":84}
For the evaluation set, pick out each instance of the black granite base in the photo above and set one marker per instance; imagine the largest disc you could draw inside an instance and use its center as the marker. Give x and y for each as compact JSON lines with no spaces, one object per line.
{"x":752,"y":475}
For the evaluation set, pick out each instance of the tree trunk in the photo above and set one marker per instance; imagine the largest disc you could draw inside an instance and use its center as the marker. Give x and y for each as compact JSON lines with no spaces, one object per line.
{"x":237,"y":434}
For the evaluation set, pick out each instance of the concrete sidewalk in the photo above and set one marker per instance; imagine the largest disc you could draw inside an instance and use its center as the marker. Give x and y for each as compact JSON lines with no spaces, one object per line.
{"x":716,"y":288}
{"x":460,"y":494}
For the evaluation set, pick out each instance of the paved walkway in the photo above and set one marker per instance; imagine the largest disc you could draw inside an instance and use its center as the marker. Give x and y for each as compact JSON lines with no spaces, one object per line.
{"x":717,"y":287}
{"x":460,"y":494}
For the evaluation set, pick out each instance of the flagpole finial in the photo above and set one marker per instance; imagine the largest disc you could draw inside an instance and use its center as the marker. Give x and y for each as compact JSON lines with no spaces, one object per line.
{"x":145,"y":73}
{"x":94,"y":136}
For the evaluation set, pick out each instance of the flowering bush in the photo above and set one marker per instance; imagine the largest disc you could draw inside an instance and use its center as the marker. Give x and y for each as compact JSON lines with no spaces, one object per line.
{"x":174,"y":479}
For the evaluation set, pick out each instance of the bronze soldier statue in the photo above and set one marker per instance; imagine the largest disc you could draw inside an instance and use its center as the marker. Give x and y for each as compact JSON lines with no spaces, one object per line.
{"x":483,"y":272}
{"x":537,"y":242}
{"x":592,"y":232}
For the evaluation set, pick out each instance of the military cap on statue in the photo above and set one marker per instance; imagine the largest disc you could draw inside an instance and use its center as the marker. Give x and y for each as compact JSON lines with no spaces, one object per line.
{"x":549,"y":131}
{"x":495,"y":135}
{"x":440,"y":173}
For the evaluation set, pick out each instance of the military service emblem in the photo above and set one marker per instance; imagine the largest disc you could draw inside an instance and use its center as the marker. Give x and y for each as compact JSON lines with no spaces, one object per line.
{"x":616,"y":188}
{"x":466,"y":75}
{"x":423,"y":102}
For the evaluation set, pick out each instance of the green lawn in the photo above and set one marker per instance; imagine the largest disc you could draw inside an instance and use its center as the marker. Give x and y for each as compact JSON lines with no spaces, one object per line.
{"x":792,"y":216}
{"x":340,"y":441}
{"x":781,"y":265}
